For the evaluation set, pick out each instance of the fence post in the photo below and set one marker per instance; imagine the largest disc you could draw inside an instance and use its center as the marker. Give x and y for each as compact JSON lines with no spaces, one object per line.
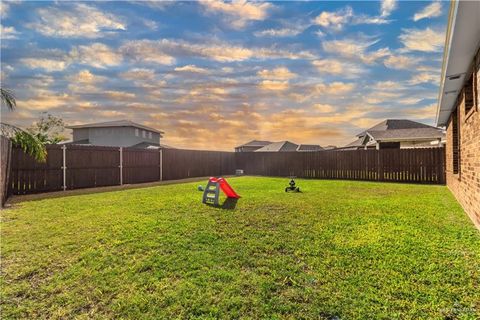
{"x":64,"y":167}
{"x":121,"y":166}
{"x":161,"y":164}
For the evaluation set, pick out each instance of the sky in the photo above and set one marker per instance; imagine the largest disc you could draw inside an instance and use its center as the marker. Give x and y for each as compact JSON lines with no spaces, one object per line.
{"x":213,"y":74}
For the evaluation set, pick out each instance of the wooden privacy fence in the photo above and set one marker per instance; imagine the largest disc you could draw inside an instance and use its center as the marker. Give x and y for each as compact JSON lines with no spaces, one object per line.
{"x":400,"y":165}
{"x":75,"y":166}
{"x":5,"y":154}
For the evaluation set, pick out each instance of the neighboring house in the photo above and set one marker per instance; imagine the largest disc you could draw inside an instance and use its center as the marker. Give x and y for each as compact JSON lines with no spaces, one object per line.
{"x":309,"y":148}
{"x":398,"y":134}
{"x":267,"y":146}
{"x":281,"y":146}
{"x":122,"y":133}
{"x":330,"y":147}
{"x":459,"y":104}
{"x":252,"y":146}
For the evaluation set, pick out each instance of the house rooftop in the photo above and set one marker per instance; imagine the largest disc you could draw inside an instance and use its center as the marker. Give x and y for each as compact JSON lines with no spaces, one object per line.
{"x":400,"y":134}
{"x":255,"y":143}
{"x":279,"y":146}
{"x":394,"y":124}
{"x":151,"y":145}
{"x":116,"y":123}
{"x":309,"y":147}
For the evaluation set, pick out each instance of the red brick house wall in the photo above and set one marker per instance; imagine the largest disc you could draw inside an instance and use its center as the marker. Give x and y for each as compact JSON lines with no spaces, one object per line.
{"x":466,"y":184}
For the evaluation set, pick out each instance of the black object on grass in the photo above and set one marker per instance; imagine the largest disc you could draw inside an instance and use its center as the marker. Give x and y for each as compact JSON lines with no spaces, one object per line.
{"x":292,"y":186}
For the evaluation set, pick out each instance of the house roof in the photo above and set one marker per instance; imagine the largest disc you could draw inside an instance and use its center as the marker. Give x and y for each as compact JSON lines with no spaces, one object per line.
{"x":150,"y":145}
{"x":410,"y":134}
{"x":309,"y":147}
{"x":281,"y":146}
{"x":461,"y":44}
{"x":117,"y":123}
{"x":394,"y":124}
{"x":356,"y":143}
{"x":255,"y":143}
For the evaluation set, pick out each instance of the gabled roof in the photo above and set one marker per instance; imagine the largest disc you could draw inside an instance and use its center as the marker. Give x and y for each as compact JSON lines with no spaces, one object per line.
{"x":356,"y":143}
{"x":255,"y":143}
{"x":394,"y":124}
{"x":117,"y":123}
{"x":411,"y":134}
{"x":281,"y":146}
{"x":309,"y":147}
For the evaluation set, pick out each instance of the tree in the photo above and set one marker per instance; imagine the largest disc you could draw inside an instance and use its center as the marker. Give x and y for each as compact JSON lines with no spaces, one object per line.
{"x":8,"y":99}
{"x":48,"y":129}
{"x":29,"y":143}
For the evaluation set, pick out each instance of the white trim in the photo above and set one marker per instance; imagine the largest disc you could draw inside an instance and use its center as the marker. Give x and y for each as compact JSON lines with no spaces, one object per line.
{"x":121,"y":166}
{"x":448,"y":46}
{"x":64,"y":166}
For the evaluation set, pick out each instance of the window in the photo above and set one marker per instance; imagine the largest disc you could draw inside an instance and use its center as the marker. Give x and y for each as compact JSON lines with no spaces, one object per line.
{"x":455,"y":142}
{"x":469,"y":93}
{"x":149,"y":135}
{"x":144,"y":133}
{"x":136,"y":132}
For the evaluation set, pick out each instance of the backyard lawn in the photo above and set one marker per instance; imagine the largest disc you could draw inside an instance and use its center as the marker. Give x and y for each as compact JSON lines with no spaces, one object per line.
{"x":338,"y":250}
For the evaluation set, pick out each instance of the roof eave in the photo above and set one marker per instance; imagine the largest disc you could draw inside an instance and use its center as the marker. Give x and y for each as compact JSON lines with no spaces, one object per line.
{"x":446,"y":54}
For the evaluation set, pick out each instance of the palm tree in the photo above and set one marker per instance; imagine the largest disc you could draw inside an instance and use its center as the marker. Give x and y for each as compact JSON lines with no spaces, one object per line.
{"x":27,"y":141}
{"x":8,"y":99}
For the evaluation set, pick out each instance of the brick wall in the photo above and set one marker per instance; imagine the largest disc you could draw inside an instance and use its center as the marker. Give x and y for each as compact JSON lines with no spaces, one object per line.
{"x":466,"y":184}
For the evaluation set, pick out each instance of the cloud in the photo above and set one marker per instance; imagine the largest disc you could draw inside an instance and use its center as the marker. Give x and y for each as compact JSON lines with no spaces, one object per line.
{"x":427,"y":40}
{"x":120,"y":95}
{"x":338,"y":67}
{"x":280,"y":73}
{"x":45,"y":100}
{"x":147,"y":50}
{"x":335,"y":20}
{"x":380,"y":97}
{"x":387,"y":86}
{"x":274,"y":85}
{"x":334,"y":88}
{"x":323,"y":108}
{"x":96,"y":55}
{"x":8,"y":33}
{"x":191,"y":68}
{"x":163,"y":51}
{"x":86,"y":77}
{"x":75,"y":21}
{"x":400,"y":62}
{"x":355,"y":49}
{"x":422,"y":112}
{"x":275,"y":79}
{"x":338,"y":19}
{"x":138,"y":74}
{"x":48,"y":65}
{"x":85,"y":82}
{"x":364,"y":19}
{"x":387,"y":7}
{"x":431,"y":11}
{"x":425,"y":77}
{"x":4,"y":9}
{"x":239,"y":12}
{"x":282,"y":32}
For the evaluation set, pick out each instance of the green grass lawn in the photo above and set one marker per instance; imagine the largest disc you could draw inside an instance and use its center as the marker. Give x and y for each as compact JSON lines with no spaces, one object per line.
{"x":339,"y":250}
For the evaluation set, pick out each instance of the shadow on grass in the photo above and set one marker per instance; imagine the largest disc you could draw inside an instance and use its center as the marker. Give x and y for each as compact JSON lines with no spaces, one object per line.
{"x":228,"y":204}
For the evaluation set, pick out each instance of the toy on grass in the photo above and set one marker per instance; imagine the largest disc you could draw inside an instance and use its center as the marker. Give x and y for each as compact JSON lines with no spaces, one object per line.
{"x":200,"y":188}
{"x":292,"y":186}
{"x":214,"y":185}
